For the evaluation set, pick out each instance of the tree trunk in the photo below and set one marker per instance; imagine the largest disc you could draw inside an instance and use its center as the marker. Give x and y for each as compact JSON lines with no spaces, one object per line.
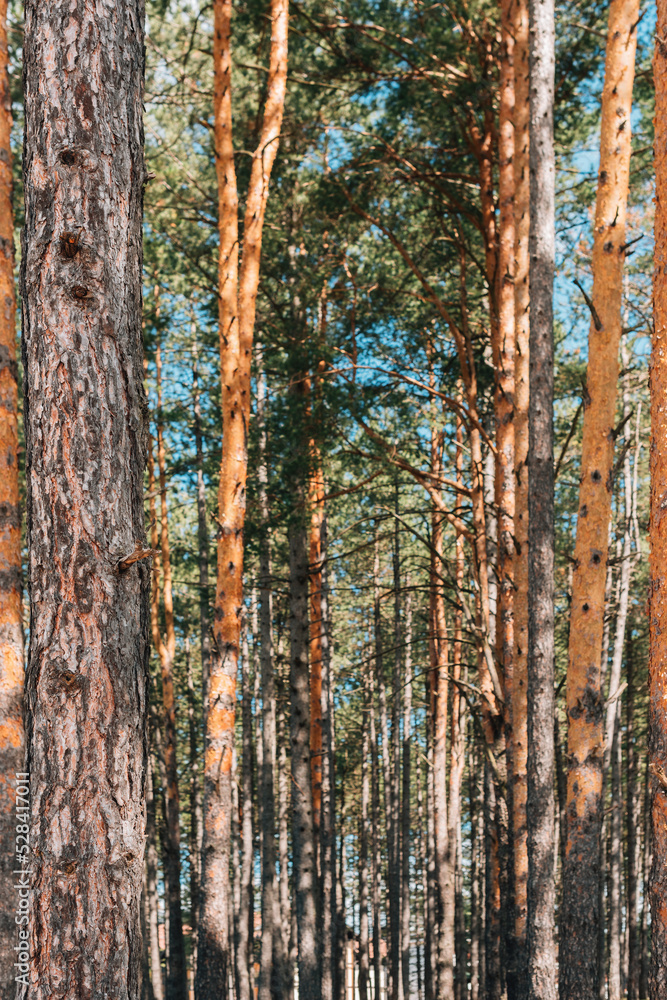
{"x":316,"y":503}
{"x":633,"y":825}
{"x":151,"y":886}
{"x":283,"y":852}
{"x":503,"y":350}
{"x":542,"y":973}
{"x":394,"y":852}
{"x":584,"y":694}
{"x":245,"y":930}
{"x":376,"y":869}
{"x":237,"y":302}
{"x":85,"y":428}
{"x":166,"y":649}
{"x":202,"y":535}
{"x":328,"y":824}
{"x":615,"y":864}
{"x":645,"y":929}
{"x":303,"y":840}
{"x":195,"y":816}
{"x":12,"y":749}
{"x":363,"y":850}
{"x":405,"y":806}
{"x":657,"y":720}
{"x":519,"y":687}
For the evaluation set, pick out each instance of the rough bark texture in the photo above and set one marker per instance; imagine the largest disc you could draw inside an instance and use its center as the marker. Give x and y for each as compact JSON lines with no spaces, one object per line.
{"x":584,"y":693}
{"x":657,"y":707}
{"x":316,"y":498}
{"x":85,"y":423}
{"x":11,"y":629}
{"x":303,"y":839}
{"x":519,"y":687}
{"x":237,"y":293}
{"x":542,"y":976}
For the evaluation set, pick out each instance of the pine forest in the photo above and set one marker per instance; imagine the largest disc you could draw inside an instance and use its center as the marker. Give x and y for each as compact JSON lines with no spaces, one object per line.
{"x":333,"y":480}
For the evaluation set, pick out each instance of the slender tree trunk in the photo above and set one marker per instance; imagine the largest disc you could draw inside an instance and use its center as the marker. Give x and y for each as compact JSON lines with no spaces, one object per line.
{"x":272,"y":954}
{"x":202,"y":535}
{"x":363,"y":850}
{"x":195,"y":815}
{"x":376,"y":868}
{"x":542,"y":973}
{"x":584,"y":694}
{"x":12,"y":748}
{"x":303,"y":840}
{"x":246,"y":841}
{"x":431,"y":925}
{"x":316,"y":503}
{"x":633,"y":825}
{"x":151,"y":887}
{"x":645,"y":930}
{"x":657,"y":720}
{"x":457,"y":758}
{"x":85,"y":431}
{"x":394,"y":873}
{"x":615,"y":865}
{"x":405,"y":805}
{"x":283,"y":851}
{"x":166,"y":649}
{"x":328,"y":825}
{"x":237,"y":302}
{"x":422,"y":849}
{"x":519,"y":686}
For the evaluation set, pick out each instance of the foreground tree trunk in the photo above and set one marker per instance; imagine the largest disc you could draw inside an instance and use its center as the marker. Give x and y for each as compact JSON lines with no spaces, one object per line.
{"x":584,"y":693}
{"x":542,"y":976}
{"x":657,"y":718}
{"x":236,"y":304}
{"x":11,"y":629}
{"x":85,"y":424}
{"x":519,"y":688}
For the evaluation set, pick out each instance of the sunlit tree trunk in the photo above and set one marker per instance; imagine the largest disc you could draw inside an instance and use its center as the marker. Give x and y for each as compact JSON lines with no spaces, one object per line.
{"x":657,"y":607}
{"x":11,"y":626}
{"x":518,"y":694}
{"x":542,"y":971}
{"x":237,"y":295}
{"x":584,"y":695}
{"x":85,"y":429}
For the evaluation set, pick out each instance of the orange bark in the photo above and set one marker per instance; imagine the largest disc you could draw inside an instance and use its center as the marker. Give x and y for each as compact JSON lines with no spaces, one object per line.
{"x":584,"y":689}
{"x":11,"y":633}
{"x":237,"y":294}
{"x":657,"y":607}
{"x":517,"y":696}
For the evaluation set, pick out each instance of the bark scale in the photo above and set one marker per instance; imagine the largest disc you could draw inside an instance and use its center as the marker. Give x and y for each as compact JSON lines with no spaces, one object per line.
{"x":580,"y":919}
{"x":85,"y":422}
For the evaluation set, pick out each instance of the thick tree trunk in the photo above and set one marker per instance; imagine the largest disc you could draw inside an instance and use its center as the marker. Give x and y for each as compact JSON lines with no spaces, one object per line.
{"x":584,"y":695}
{"x":657,"y":718}
{"x":11,"y":626}
{"x":237,"y":302}
{"x":303,"y":839}
{"x":85,"y":428}
{"x":519,"y":686}
{"x":542,"y":973}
